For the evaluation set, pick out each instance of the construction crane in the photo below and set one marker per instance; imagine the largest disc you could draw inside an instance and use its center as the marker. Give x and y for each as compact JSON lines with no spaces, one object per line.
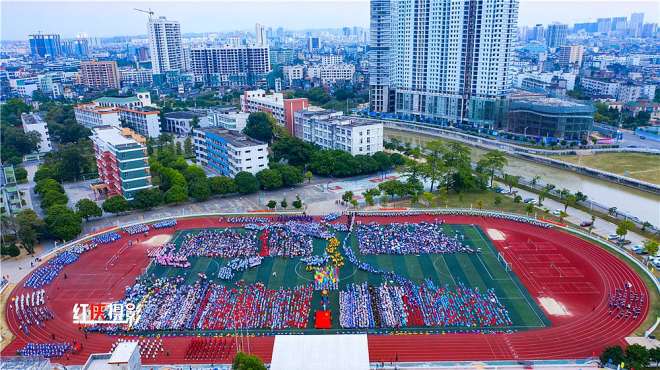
{"x":150,"y":12}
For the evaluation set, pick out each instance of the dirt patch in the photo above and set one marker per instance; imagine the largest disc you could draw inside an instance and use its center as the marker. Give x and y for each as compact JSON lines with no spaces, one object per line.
{"x":553,"y":307}
{"x":158,"y":240}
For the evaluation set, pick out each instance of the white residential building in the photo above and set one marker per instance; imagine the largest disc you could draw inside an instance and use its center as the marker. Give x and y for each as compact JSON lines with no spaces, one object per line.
{"x":222,"y":64}
{"x":292,"y":73}
{"x":229,"y":152}
{"x":181,"y":123}
{"x":135,"y":77}
{"x":165,"y":45}
{"x":331,"y":130}
{"x":91,"y":115}
{"x":449,"y":61}
{"x":332,"y":59}
{"x":228,"y":119}
{"x":32,"y":122}
{"x":282,"y":109}
{"x":136,"y":112}
{"x":331,"y":73}
{"x":600,"y":87}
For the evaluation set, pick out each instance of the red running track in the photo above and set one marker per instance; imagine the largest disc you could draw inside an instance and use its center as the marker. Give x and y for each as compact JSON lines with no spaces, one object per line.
{"x":550,"y":263}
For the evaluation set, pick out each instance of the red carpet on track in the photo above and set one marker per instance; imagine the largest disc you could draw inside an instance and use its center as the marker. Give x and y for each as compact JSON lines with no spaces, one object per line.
{"x":549,"y":263}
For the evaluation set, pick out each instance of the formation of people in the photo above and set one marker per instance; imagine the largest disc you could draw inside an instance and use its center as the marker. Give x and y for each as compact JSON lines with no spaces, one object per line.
{"x":223,"y":243}
{"x":136,"y":229}
{"x":106,"y":238}
{"x":45,"y":274}
{"x":164,"y":224}
{"x":170,"y":304}
{"x":625,"y":303}
{"x":30,"y":310}
{"x":412,"y":305}
{"x":48,"y":350}
{"x":209,"y":349}
{"x":409,"y":238}
{"x":238,"y":264}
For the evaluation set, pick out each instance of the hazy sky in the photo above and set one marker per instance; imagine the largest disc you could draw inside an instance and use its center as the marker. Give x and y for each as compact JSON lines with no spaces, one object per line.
{"x":114,"y":18}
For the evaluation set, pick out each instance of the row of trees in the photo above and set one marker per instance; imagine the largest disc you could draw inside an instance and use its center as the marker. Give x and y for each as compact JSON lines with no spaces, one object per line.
{"x":334,"y":163}
{"x":634,"y":357}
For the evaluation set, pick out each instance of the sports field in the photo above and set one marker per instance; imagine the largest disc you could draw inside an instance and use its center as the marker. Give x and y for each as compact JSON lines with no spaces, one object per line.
{"x":482,"y":270}
{"x":645,"y":167}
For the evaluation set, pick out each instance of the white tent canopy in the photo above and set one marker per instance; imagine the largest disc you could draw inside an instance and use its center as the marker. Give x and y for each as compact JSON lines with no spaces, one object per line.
{"x":320,"y":352}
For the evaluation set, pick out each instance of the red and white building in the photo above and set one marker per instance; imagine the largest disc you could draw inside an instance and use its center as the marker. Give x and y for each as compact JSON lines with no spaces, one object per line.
{"x":281,"y":108}
{"x":122,"y":161}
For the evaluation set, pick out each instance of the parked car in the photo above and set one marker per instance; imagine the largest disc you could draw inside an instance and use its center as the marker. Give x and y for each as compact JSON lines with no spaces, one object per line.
{"x":639,"y":249}
{"x":613,"y":237}
{"x":586,"y":223}
{"x":624,"y":241}
{"x":529,"y":200}
{"x":556,"y":212}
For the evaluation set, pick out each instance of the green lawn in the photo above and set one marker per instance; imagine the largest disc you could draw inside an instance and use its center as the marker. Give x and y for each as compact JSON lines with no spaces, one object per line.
{"x":479,"y":270}
{"x":645,"y":167}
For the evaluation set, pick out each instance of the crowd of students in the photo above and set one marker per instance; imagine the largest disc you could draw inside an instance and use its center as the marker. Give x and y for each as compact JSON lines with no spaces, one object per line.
{"x":458,"y":212}
{"x":45,"y":274}
{"x":238,"y":264}
{"x":243,"y":220}
{"x":331,"y":217}
{"x":164,"y":224}
{"x":625,"y":303}
{"x":170,"y":304}
{"x":409,"y":238}
{"x":106,"y":238}
{"x":136,"y":229}
{"x":48,"y":350}
{"x":209,"y":349}
{"x":412,"y":305}
{"x":31,"y":310}
{"x":289,"y":240}
{"x":225,"y":243}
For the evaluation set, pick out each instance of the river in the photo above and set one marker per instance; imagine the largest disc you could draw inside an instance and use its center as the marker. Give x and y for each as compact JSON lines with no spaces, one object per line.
{"x":635,"y":202}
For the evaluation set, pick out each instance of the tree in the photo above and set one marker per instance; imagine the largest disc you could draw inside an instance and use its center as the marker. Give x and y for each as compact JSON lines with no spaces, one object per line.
{"x":308,"y":176}
{"x":147,"y":199}
{"x":613,"y":355}
{"x":383,"y":160}
{"x":10,"y":250}
{"x":562,"y":216}
{"x":535,"y":180}
{"x":246,"y":183}
{"x":116,"y":204}
{"x":569,"y":200}
{"x":222,"y":185}
{"x":43,"y":172}
{"x":651,"y":247}
{"x":511,"y":181}
{"x":517,"y":199}
{"x":87,"y":208}
{"x":52,"y":197}
{"x":21,"y":174}
{"x":243,"y":361}
{"x":188,"y":147}
{"x":491,"y":162}
{"x":284,"y":203}
{"x":29,"y":228}
{"x":428,"y":198}
{"x":654,"y":353}
{"x":47,"y":185}
{"x":497,"y":200}
{"x":297,"y":204}
{"x":176,"y":194}
{"x":62,"y":222}
{"x":435,"y":167}
{"x":293,"y":151}
{"x":623,"y":228}
{"x":200,"y":189}
{"x":290,"y":175}
{"x":270,"y":179}
{"x":637,"y":356}
{"x":529,"y":208}
{"x":272,"y":204}
{"x":397,"y":159}
{"x":260,"y":126}
{"x":347,"y":196}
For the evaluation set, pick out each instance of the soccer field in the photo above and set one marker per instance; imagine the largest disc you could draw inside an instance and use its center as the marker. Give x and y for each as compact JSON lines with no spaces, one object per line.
{"x":482,"y":270}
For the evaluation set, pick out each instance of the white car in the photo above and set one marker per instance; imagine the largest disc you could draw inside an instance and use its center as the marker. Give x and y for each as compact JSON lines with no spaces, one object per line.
{"x":613,"y":237}
{"x":556,"y":212}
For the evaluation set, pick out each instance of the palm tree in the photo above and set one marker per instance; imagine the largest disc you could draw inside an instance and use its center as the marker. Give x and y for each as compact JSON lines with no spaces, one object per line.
{"x":535,"y":180}
{"x":562,"y":215}
{"x":493,"y":161}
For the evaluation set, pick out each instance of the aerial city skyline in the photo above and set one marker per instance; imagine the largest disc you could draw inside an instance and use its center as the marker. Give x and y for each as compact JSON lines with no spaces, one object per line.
{"x":355,"y":185}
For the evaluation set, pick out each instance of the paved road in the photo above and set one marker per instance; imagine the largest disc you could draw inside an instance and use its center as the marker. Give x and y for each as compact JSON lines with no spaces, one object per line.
{"x":630,"y":139}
